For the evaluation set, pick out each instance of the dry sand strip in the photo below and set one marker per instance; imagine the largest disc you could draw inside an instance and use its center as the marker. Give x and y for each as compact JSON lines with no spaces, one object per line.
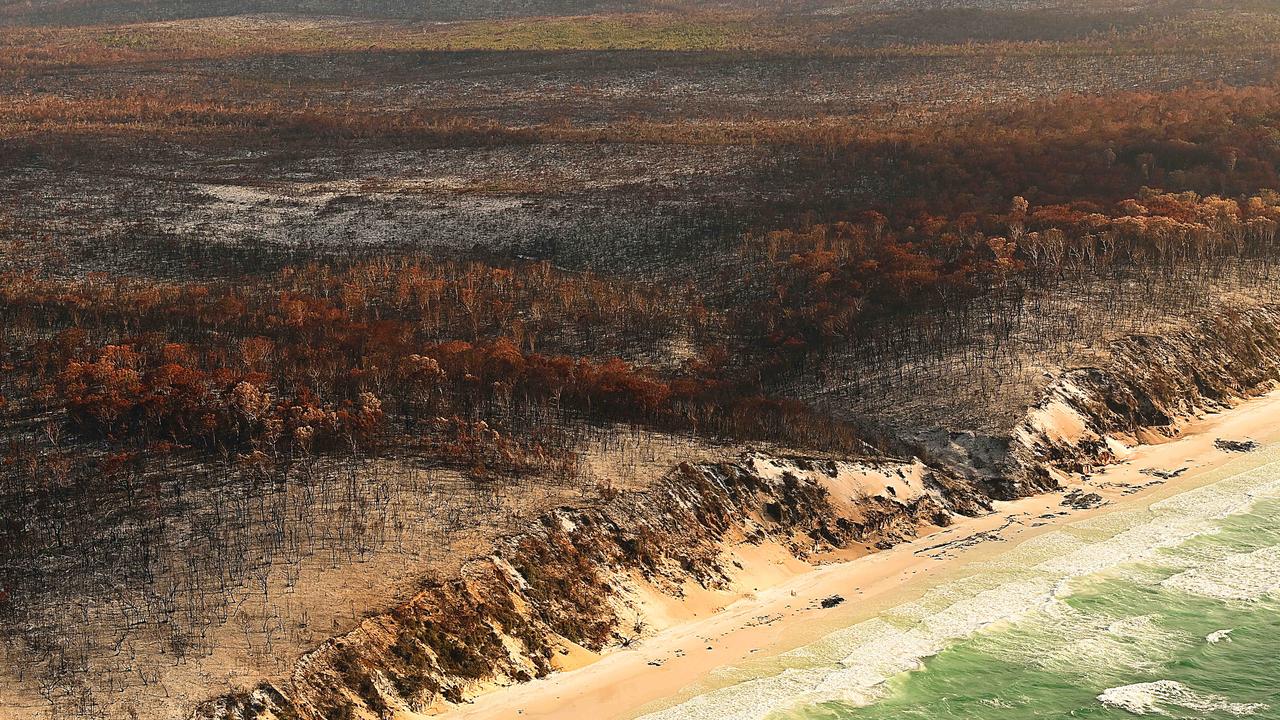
{"x":786,"y":615}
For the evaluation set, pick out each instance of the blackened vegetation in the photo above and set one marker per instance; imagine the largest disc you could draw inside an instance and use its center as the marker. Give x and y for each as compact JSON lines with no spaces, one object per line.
{"x":184,"y":434}
{"x":569,"y":579}
{"x":1154,"y":382}
{"x":431,"y":304}
{"x":674,"y":533}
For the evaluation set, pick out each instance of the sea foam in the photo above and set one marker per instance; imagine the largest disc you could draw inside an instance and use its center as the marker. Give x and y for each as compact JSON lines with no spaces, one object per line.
{"x":1244,"y":576}
{"x":1082,"y":647}
{"x":851,"y":666}
{"x":1148,"y":699}
{"x":1218,"y":636}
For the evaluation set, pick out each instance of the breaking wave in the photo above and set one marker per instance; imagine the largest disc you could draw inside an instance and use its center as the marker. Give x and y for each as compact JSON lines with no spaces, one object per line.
{"x":1244,"y":576}
{"x":1218,"y":636}
{"x":1151,"y":698}
{"x":1022,"y":587}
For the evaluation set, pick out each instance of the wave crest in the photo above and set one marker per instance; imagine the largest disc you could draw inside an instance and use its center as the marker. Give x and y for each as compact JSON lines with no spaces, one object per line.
{"x":1218,"y":636}
{"x":1147,"y":699}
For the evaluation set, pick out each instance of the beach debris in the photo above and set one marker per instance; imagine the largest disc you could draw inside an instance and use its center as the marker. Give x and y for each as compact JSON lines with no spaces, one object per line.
{"x":1240,"y":446}
{"x":1163,"y":474}
{"x":949,"y":548}
{"x":1129,"y":488}
{"x":1081,"y":500}
{"x":830,"y":602}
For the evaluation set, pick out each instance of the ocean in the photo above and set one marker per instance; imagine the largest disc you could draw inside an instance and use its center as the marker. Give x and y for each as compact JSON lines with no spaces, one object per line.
{"x":1171,"y":610}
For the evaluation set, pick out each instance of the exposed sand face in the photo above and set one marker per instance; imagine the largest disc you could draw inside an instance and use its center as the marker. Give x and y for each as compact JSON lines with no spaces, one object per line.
{"x":786,"y":611}
{"x":853,"y":480}
{"x":296,"y":597}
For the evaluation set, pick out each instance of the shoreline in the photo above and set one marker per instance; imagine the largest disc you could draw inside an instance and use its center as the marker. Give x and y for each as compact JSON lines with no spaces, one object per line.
{"x":681,"y":660}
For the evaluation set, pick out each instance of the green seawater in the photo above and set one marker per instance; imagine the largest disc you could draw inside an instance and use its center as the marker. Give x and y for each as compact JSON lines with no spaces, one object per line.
{"x":1171,"y":611}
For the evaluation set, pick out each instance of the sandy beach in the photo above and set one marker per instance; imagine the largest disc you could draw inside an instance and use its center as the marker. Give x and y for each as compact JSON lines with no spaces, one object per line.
{"x":777,"y":602}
